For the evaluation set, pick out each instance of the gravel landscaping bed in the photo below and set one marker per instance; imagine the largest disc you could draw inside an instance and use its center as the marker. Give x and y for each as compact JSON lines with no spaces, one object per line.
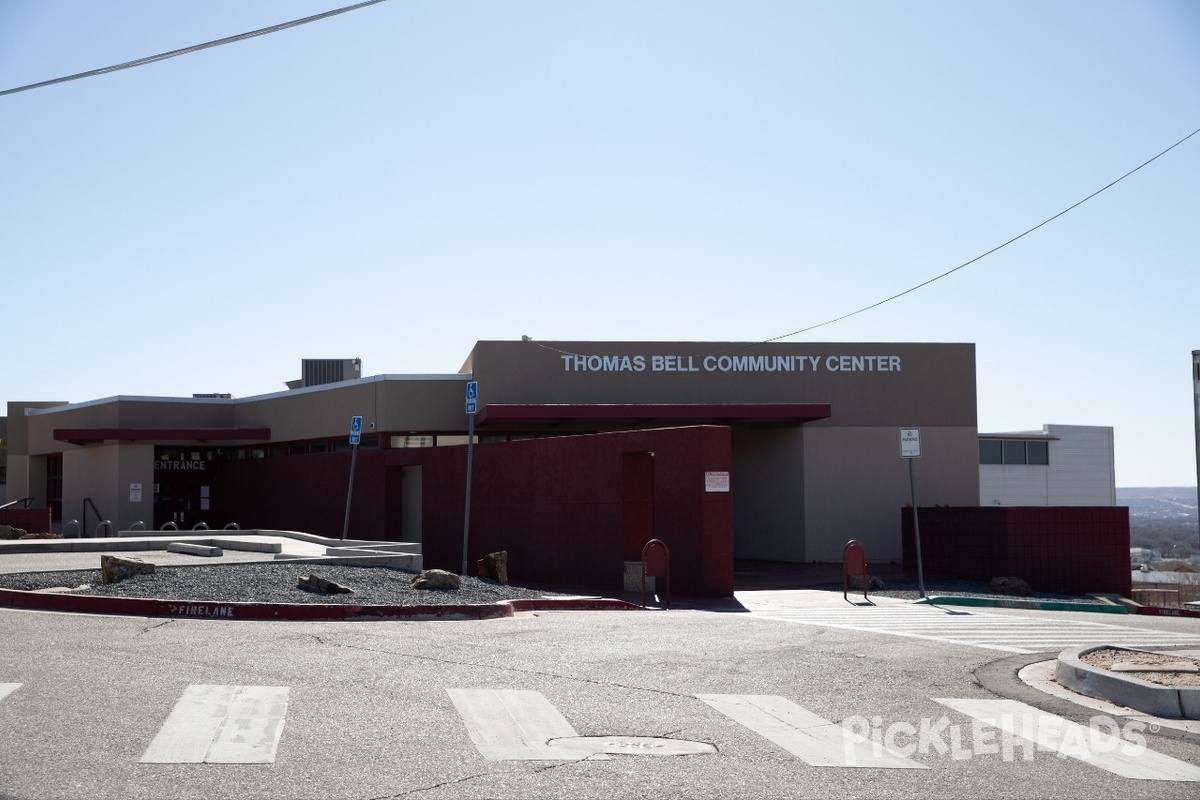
{"x":271,"y":582}
{"x":1161,"y":664}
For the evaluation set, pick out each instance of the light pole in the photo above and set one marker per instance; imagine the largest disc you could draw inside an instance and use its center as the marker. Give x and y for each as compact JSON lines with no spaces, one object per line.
{"x":1196,"y":401}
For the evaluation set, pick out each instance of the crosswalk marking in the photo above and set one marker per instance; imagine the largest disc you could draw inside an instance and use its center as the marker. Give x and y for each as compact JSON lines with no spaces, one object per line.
{"x":515,"y":725}
{"x":1001,"y":632}
{"x":8,"y":688}
{"x":814,"y":740}
{"x":1096,"y":747}
{"x":221,"y":725}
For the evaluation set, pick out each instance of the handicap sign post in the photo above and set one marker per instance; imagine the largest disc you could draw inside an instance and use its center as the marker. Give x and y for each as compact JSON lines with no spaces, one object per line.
{"x":472,"y":405}
{"x":355,"y":440}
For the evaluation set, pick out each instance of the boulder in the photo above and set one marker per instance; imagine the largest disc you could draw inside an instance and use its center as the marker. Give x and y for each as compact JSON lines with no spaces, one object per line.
{"x":494,"y":566}
{"x":1010,"y":585}
{"x":9,"y":532}
{"x":43,"y":535}
{"x":436,"y":579}
{"x":319,"y":585}
{"x":117,"y":568}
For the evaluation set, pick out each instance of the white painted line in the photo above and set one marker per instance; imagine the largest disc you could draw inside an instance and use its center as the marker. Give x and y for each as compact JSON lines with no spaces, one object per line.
{"x":8,"y":688}
{"x":814,"y":740}
{"x":515,"y":725}
{"x":1093,"y":745}
{"x":221,"y":725}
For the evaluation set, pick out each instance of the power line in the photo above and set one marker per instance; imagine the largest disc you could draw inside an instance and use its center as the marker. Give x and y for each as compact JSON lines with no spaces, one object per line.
{"x":193,"y":49}
{"x":923,"y":284}
{"x":1022,"y":235}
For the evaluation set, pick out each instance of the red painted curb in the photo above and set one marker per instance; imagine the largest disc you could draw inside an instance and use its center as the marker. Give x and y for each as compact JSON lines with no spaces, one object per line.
{"x":1155,"y":611}
{"x":310,"y":612}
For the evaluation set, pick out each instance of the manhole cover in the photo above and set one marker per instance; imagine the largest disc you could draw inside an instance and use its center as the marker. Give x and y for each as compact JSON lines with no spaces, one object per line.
{"x":632,"y":746}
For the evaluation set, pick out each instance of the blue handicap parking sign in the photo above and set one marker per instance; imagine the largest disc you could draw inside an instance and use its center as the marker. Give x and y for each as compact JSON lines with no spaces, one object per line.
{"x":472,"y":396}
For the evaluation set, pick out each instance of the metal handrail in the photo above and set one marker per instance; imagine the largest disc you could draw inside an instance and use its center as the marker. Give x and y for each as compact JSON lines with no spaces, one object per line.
{"x":87,"y":501}
{"x":26,"y":500}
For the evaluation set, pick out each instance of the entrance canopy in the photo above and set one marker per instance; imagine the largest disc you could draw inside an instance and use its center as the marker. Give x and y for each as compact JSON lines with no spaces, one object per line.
{"x":96,"y":435}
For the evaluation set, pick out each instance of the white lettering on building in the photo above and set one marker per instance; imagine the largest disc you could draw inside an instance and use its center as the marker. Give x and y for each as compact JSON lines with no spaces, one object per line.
{"x":721,"y":363}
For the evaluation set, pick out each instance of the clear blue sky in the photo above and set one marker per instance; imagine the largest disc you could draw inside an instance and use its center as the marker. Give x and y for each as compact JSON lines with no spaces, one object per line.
{"x":398,"y":182}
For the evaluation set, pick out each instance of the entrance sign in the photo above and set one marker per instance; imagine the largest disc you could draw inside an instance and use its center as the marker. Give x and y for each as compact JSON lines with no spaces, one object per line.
{"x":356,"y":430}
{"x":910,"y":443}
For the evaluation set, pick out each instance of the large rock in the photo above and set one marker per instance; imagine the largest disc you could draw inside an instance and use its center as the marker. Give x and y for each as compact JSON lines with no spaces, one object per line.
{"x":494,"y":566}
{"x":1010,"y":585}
{"x":319,"y":585}
{"x":9,"y":532}
{"x":117,"y":568}
{"x":436,"y":579}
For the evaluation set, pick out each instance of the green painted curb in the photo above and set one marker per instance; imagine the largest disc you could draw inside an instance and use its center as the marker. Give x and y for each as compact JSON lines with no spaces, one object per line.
{"x":1010,"y":602}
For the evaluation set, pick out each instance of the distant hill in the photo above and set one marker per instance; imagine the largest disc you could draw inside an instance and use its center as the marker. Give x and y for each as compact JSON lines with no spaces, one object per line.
{"x":1163,"y":518}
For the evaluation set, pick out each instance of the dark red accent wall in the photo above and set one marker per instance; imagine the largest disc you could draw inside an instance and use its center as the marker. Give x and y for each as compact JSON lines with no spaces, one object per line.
{"x":569,"y":510}
{"x":30,"y":520}
{"x":557,"y":506}
{"x":305,"y":493}
{"x":1064,"y":549}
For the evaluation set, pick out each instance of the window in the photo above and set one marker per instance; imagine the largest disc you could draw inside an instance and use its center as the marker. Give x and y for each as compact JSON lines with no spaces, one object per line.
{"x":1014,"y":451}
{"x":412,"y":440}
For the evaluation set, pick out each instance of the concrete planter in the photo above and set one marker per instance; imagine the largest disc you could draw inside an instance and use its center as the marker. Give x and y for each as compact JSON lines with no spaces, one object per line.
{"x":1149,"y":698}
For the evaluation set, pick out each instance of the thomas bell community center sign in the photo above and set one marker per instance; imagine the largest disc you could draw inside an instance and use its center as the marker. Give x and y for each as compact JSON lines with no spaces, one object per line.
{"x":730,"y":362}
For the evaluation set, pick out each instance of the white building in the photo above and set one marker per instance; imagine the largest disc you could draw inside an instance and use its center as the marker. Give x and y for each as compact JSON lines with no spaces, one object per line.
{"x":1060,"y":465}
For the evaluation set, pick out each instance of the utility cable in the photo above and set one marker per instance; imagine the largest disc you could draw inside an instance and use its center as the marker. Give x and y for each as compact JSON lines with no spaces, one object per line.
{"x":923,"y":284}
{"x":1019,"y":236}
{"x":193,"y":49}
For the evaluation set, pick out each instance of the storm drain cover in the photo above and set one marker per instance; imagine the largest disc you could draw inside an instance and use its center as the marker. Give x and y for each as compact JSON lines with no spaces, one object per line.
{"x":632,"y":746}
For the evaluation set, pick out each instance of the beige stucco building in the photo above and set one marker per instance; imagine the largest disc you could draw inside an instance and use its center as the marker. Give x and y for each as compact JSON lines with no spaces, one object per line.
{"x":815,"y":434}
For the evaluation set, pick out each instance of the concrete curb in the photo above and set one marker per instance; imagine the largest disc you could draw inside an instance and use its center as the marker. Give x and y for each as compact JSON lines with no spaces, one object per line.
{"x":114,"y":544}
{"x":1149,"y":698}
{"x":307,"y":612}
{"x":1014,"y":602}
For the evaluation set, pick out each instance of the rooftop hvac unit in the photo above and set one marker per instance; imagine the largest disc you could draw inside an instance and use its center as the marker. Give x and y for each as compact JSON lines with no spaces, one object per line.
{"x":317,"y":371}
{"x":212,"y":396}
